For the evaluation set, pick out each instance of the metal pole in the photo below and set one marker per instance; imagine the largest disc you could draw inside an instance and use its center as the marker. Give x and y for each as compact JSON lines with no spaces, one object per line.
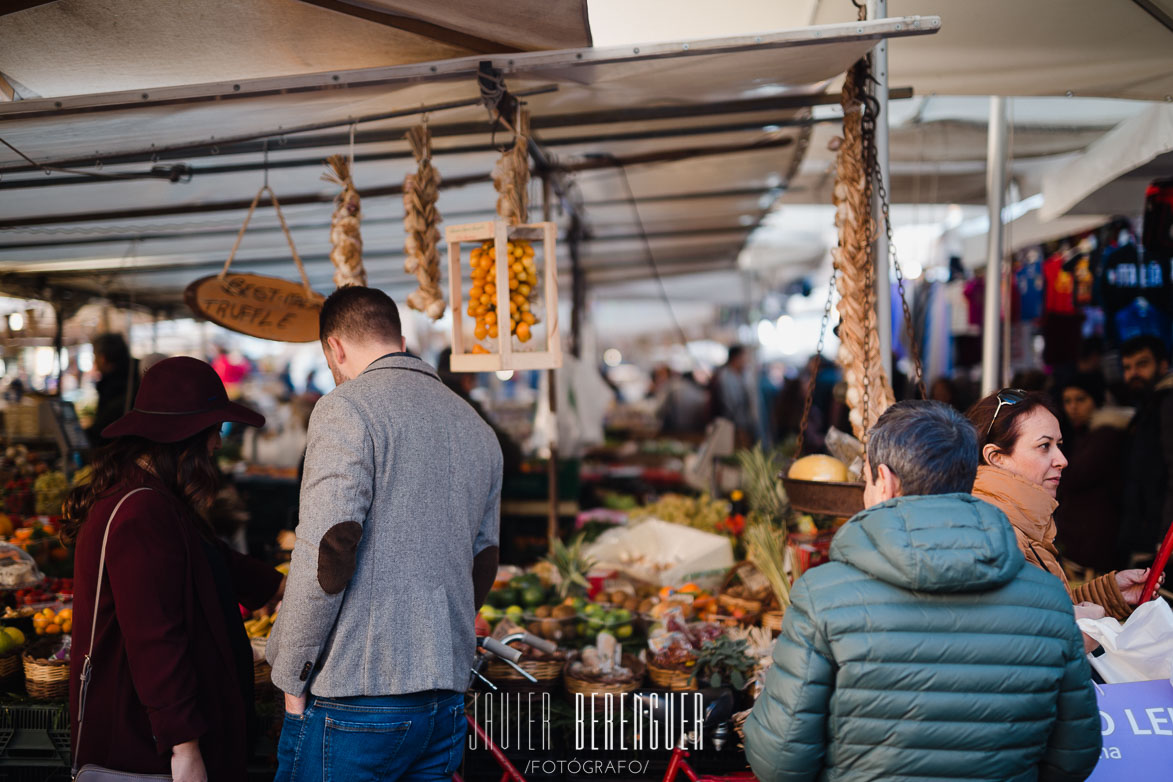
{"x":878,"y":9}
{"x":995,"y":200}
{"x":577,"y":284}
{"x":59,"y":341}
{"x":552,"y":382}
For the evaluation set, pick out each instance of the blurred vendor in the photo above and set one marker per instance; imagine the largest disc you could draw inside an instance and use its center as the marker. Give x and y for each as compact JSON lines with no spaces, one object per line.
{"x":462,"y":383}
{"x":117,"y":386}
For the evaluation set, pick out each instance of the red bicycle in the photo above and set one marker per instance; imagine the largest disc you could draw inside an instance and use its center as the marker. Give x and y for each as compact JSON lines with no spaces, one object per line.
{"x":718,"y":706}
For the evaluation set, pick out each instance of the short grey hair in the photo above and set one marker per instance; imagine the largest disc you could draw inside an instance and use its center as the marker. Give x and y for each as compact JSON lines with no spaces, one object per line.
{"x":929,"y":446}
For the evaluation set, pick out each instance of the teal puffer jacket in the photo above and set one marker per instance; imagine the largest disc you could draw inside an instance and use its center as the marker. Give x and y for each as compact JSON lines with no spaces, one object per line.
{"x":926,"y":650}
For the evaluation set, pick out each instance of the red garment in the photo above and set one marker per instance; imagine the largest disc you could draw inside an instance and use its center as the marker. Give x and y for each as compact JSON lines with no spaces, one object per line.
{"x":231,"y":372}
{"x":1060,"y":287}
{"x":163,"y":670}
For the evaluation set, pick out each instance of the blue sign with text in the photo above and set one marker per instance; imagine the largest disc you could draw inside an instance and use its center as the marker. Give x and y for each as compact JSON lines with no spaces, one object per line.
{"x":1137,"y":722}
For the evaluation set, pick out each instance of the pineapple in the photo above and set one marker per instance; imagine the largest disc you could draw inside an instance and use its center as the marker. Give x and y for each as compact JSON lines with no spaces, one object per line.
{"x":572,"y":566}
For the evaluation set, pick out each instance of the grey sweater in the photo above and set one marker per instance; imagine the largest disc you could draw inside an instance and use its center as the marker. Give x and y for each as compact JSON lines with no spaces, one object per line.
{"x":401,"y":490}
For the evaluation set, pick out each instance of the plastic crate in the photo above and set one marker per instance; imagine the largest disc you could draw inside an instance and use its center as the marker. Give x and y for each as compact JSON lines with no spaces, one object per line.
{"x":34,"y":735}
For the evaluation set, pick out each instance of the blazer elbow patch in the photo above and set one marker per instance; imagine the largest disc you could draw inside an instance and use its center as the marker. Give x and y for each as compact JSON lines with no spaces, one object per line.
{"x":336,"y":556}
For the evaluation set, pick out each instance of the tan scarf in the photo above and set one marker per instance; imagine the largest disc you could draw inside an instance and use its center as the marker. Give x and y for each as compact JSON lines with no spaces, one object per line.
{"x":1030,"y":510}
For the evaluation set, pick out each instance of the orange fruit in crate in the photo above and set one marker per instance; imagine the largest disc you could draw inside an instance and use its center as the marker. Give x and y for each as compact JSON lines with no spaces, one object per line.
{"x":523,"y":332}
{"x":481,"y":332}
{"x":52,"y":629}
{"x":64,"y":614}
{"x":67,"y":626}
{"x":493,"y":331}
{"x":39,"y":622}
{"x":479,"y":350}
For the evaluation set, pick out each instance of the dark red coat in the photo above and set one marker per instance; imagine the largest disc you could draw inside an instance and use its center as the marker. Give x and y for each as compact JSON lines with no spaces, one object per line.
{"x":162,"y":665}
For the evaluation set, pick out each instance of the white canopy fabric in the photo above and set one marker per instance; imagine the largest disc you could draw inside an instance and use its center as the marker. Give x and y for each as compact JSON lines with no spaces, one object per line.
{"x":1085,"y":48}
{"x":708,"y":133}
{"x":1114,"y":169}
{"x":74,"y":47}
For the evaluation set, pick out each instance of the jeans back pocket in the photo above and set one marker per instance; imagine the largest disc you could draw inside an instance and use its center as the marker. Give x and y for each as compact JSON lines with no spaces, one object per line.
{"x":363,"y":750}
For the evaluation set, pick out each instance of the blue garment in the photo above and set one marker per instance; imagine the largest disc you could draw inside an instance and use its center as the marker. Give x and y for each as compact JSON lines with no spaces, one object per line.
{"x":926,"y":649}
{"x":1140,"y":317}
{"x":412,"y":738}
{"x":1029,"y":279}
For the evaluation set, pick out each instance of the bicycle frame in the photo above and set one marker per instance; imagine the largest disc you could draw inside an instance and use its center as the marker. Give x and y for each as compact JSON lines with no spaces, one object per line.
{"x":677,"y":764}
{"x":510,"y":772}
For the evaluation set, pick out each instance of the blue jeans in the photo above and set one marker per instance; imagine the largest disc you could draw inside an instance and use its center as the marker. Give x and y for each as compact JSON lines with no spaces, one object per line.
{"x":414,"y":738}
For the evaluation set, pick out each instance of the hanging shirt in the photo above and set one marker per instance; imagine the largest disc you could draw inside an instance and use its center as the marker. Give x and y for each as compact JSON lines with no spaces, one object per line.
{"x":1059,"y":298}
{"x":1128,"y":274}
{"x":1085,"y":281}
{"x":975,"y":297}
{"x":1139,"y":318}
{"x":1028,"y":278}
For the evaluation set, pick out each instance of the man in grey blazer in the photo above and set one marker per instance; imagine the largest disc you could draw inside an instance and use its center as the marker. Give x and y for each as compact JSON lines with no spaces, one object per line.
{"x":396,"y":550}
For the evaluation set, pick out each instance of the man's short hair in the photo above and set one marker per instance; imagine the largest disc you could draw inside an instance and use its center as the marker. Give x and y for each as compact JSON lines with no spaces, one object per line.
{"x":1145,"y":342}
{"x":361,"y":314}
{"x":928,"y":445}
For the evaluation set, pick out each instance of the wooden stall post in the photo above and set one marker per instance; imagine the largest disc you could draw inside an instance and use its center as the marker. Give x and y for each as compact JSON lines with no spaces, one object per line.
{"x":552,"y":465}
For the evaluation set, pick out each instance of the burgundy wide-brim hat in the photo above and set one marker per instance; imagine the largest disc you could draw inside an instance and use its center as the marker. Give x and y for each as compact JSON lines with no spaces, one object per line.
{"x":178,"y":398}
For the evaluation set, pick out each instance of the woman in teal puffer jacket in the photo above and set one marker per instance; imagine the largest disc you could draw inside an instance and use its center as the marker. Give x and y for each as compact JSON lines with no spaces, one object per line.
{"x":926,"y":649}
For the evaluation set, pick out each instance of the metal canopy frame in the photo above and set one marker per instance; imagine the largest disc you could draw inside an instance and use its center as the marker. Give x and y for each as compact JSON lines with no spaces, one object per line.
{"x":739,"y":129}
{"x":511,"y":65}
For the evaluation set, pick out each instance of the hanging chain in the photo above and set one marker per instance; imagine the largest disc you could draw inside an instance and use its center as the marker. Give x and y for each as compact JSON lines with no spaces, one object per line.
{"x":868,"y":137}
{"x":810,"y":386}
{"x":910,"y":327}
{"x":876,"y":175}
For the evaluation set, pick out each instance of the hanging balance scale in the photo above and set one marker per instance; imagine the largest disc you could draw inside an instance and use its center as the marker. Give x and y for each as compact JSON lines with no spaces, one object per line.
{"x":869,"y":393}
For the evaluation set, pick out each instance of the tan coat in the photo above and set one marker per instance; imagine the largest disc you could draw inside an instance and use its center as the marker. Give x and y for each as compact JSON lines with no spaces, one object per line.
{"x":1031,"y":512}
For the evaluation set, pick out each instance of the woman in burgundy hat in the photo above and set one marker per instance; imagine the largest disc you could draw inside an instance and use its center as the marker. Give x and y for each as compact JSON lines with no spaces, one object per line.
{"x":171,"y":669}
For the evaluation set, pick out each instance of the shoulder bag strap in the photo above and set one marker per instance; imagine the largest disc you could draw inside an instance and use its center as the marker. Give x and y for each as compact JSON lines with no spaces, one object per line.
{"x":87,"y":666}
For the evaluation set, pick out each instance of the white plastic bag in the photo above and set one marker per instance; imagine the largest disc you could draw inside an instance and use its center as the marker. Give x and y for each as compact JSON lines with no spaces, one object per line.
{"x":1139,"y":650}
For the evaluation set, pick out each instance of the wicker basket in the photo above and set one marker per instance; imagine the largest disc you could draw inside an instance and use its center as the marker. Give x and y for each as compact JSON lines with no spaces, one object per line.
{"x":547,"y":672}
{"x":575,"y":686}
{"x":731,"y":604}
{"x":772,"y":621}
{"x":671,"y":678}
{"x":46,"y":680}
{"x":10,"y":664}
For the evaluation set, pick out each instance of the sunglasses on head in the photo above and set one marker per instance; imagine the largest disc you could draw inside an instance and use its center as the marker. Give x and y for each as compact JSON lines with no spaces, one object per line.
{"x":1006,"y":397}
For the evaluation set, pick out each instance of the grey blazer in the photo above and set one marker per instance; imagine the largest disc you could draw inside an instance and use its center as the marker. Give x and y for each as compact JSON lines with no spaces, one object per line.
{"x":402,"y":488}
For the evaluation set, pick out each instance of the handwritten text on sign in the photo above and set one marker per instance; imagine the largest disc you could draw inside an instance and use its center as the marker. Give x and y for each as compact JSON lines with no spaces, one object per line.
{"x":265,"y":307}
{"x":1136,"y":720}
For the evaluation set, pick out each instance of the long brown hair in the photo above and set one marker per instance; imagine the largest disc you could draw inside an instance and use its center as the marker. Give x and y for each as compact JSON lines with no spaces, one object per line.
{"x":1006,"y":426}
{"x":185,"y":468}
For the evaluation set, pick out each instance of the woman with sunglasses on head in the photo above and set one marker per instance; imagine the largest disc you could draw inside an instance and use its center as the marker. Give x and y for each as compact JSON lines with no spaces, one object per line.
{"x":1019,"y":468}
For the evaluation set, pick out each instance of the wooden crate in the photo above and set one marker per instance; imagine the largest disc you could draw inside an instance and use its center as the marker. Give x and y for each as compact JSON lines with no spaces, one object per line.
{"x":507,"y":356}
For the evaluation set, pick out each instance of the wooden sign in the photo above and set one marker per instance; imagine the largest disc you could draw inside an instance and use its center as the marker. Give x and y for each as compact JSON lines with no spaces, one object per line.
{"x":264,"y":307}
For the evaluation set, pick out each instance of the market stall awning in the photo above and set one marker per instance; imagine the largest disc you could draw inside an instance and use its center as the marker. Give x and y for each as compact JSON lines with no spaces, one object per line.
{"x":674,"y":149}
{"x":1115,"y":169}
{"x":75,"y":47}
{"x":1082,"y":48}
